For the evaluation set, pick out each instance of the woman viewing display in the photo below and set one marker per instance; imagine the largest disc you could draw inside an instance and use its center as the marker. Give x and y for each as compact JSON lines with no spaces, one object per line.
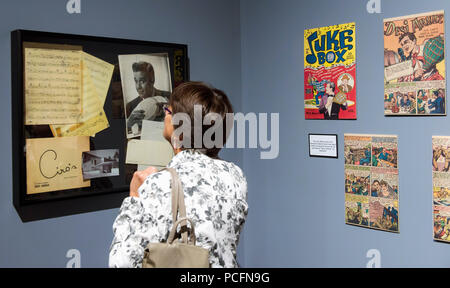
{"x":215,"y":191}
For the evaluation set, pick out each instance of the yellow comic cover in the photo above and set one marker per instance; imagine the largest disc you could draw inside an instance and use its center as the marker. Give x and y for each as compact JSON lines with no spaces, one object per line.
{"x":330,"y":72}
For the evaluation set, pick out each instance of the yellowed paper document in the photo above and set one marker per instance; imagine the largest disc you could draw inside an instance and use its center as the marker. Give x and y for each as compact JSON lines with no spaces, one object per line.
{"x":100,"y":72}
{"x":96,"y":80}
{"x":55,"y":164}
{"x":52,"y":85}
{"x":93,"y":118}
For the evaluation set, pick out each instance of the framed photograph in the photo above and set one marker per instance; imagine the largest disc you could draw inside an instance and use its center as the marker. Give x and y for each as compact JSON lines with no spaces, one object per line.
{"x":147,"y":87}
{"x":70,"y":132}
{"x":323,"y":145}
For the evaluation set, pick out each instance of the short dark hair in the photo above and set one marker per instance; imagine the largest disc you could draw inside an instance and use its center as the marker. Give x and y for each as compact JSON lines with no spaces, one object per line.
{"x":332,"y":86}
{"x":410,"y":35}
{"x":145,"y":67}
{"x":187,"y":95}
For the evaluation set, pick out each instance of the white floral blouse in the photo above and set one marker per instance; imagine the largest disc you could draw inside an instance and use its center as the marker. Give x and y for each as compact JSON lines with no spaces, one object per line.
{"x":216,"y":200}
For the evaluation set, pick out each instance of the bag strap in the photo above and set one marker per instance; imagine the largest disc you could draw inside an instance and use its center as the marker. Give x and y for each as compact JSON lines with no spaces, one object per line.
{"x":178,"y":205}
{"x":192,"y":238}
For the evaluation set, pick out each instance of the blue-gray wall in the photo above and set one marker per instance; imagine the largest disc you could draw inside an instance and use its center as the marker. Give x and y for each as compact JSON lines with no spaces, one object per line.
{"x":297,"y":202}
{"x":253,"y":49}
{"x":212,"y":31}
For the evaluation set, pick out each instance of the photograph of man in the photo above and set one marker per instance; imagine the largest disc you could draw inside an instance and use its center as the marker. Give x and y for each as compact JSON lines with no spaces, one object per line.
{"x":147,"y":87}
{"x":328,"y":107}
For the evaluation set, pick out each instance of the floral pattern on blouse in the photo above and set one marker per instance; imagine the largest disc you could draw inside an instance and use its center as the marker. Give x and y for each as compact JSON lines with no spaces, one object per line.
{"x":216,"y":200}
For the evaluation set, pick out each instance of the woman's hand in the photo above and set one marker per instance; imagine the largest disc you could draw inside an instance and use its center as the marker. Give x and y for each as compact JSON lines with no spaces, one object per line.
{"x":139,"y":178}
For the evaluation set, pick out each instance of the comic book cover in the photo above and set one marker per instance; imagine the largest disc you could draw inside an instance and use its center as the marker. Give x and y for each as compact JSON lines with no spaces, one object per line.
{"x":383,"y":214}
{"x":371,"y":175}
{"x":357,"y":180}
{"x":356,"y":210}
{"x":414,"y":65}
{"x":330,"y":72}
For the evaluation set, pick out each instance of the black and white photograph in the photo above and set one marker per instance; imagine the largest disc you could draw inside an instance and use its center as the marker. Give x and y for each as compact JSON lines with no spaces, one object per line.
{"x":146,"y":84}
{"x":100,"y":163}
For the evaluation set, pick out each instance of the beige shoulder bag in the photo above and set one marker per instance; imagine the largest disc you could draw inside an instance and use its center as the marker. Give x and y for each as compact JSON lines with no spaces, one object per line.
{"x":176,"y":254}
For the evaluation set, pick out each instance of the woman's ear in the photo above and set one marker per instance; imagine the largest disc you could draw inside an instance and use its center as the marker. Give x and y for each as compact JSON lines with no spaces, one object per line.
{"x":177,"y":142}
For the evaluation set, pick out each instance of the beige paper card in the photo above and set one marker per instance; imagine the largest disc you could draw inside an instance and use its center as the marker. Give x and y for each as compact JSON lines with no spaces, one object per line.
{"x":148,"y":152}
{"x":52,"y":82}
{"x":143,"y":167}
{"x":55,"y":164}
{"x":153,"y":130}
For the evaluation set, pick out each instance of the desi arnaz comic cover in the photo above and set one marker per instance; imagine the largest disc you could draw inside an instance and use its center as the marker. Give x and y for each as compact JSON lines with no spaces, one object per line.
{"x":371,"y":181}
{"x":330,"y":72}
{"x":441,"y":188}
{"x":414,"y":65}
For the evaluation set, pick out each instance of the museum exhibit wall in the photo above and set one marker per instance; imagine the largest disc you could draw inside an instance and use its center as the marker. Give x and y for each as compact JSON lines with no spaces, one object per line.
{"x":297,"y":202}
{"x":211,"y":29}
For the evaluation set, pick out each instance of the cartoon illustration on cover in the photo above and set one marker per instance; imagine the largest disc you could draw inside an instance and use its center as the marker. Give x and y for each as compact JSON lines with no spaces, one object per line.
{"x":330,"y":72}
{"x":414,"y":61}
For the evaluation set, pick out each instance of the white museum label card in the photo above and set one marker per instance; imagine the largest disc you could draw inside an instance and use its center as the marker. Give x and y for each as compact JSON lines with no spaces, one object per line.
{"x":323,"y":145}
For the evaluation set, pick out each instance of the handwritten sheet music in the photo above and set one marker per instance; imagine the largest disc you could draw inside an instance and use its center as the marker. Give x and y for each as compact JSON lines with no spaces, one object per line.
{"x":100,"y":72}
{"x":55,"y":164}
{"x":96,"y":79}
{"x":52,"y":85}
